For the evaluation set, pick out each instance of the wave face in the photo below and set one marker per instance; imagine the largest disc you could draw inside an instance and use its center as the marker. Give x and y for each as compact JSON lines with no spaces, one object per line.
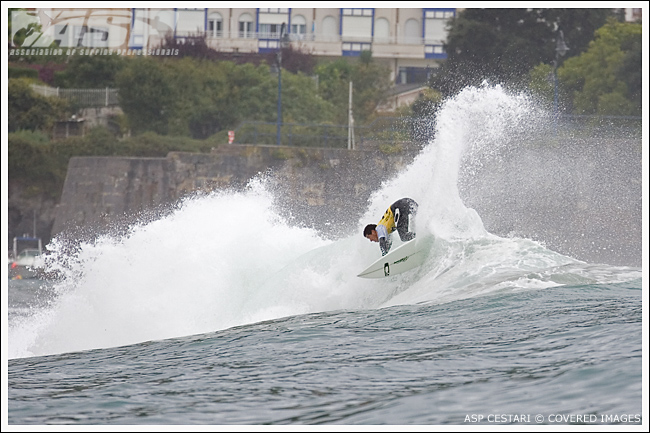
{"x":230,"y":259}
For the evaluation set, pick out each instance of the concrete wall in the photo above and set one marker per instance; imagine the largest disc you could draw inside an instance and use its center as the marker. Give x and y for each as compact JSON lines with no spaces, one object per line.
{"x":583,"y":199}
{"x":320,"y":185}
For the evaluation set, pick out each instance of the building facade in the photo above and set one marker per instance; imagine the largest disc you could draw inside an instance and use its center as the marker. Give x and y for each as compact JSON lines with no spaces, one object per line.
{"x":408,"y":40}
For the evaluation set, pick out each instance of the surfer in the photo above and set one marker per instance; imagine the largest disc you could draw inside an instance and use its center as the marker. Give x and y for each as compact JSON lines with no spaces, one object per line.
{"x":396,"y":216}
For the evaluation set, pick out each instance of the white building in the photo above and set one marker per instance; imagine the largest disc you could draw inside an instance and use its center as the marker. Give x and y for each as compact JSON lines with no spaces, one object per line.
{"x":408,"y":40}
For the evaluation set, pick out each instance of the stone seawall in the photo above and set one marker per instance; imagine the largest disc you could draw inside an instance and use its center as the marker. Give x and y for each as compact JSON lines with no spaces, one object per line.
{"x":319,"y":185}
{"x":582,"y":199}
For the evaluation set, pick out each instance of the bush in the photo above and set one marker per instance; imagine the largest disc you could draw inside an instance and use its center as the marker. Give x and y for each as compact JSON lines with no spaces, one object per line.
{"x":18,"y":72}
{"x":30,"y":163}
{"x":28,"y":110}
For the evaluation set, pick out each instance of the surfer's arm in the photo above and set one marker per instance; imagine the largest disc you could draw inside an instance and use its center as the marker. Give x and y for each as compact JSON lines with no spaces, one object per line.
{"x":382,"y":234}
{"x":384,"y":246}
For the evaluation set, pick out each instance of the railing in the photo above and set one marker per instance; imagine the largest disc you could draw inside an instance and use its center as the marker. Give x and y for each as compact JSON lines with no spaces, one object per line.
{"x":388,"y":130}
{"x":293,"y":134}
{"x":81,"y":97}
{"x":312,"y":37}
{"x":590,"y":126}
{"x":407,"y":131}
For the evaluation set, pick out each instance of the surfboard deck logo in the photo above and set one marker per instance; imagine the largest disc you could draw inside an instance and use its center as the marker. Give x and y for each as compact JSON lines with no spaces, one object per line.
{"x":405,"y":257}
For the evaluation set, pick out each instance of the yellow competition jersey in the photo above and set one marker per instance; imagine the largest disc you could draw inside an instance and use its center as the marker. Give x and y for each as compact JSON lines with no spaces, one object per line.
{"x":388,"y":220}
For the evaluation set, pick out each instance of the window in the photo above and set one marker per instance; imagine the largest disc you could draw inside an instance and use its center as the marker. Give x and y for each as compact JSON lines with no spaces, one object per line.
{"x":189,"y":22}
{"x":147,"y":23}
{"x":412,"y":74}
{"x":435,"y":21}
{"x":412,"y":32}
{"x":434,"y":52}
{"x":270,"y":31}
{"x":162,"y":22}
{"x":440,"y":14}
{"x":355,"y":48}
{"x":357,"y":23}
{"x":245,"y":26}
{"x":358,"y":12}
{"x":330,"y":32}
{"x":298,"y":27}
{"x":382,"y":30}
{"x":215,"y":25}
{"x":272,"y":22}
{"x":274,"y":10}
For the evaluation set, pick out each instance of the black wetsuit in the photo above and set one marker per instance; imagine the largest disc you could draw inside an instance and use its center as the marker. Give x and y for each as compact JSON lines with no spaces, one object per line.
{"x":396,"y":217}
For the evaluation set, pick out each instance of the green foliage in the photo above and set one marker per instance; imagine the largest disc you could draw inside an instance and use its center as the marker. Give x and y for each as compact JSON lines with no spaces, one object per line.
{"x":578,"y":25}
{"x":90,"y":72}
{"x":371,"y":82}
{"x":542,"y":83}
{"x":28,"y":110}
{"x":503,"y":45}
{"x":333,"y":79}
{"x":308,"y":135}
{"x":30,"y":162}
{"x":301,"y":102}
{"x":606,"y":79}
{"x":187,"y":96}
{"x":199,"y":98}
{"x":390,"y":148}
{"x":18,"y":72}
{"x":36,"y":161}
{"x":146,"y":96}
{"x":426,"y":104}
{"x":151,"y":144}
{"x":295,"y":61}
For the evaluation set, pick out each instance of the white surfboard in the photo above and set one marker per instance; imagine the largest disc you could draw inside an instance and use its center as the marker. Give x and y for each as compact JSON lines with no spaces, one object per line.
{"x":407,"y":256}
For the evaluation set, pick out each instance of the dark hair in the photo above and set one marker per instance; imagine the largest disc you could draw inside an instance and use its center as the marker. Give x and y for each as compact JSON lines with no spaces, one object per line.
{"x":368,"y":230}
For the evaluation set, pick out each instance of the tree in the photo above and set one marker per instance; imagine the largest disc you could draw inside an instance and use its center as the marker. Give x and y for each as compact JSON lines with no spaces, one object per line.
{"x":91,"y":72}
{"x":371,"y":82}
{"x":145,"y":95}
{"x":200,"y":97}
{"x":503,"y":45}
{"x":578,"y":25}
{"x":606,"y":79}
{"x":301,"y":102}
{"x":30,"y":111}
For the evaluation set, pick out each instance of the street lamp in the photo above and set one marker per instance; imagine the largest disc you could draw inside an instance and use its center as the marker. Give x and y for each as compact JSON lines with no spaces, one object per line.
{"x":560,"y":50}
{"x":282,"y":41}
{"x":279,"y":61}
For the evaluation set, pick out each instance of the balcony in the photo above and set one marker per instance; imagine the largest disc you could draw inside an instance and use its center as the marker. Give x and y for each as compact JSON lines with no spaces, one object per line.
{"x":326,"y":44}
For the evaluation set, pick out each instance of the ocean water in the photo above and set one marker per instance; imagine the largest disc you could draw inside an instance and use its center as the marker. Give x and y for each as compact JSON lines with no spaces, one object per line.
{"x":181,"y":321}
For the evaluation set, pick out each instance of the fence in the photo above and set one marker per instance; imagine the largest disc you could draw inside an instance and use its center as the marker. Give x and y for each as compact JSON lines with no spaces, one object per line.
{"x":293,"y":134}
{"x":81,"y":97}
{"x":417,"y":131}
{"x":385,"y":130}
{"x":629,"y":127}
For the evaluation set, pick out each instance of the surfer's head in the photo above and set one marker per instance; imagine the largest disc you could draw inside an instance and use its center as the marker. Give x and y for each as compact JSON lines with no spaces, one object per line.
{"x":370,"y":232}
